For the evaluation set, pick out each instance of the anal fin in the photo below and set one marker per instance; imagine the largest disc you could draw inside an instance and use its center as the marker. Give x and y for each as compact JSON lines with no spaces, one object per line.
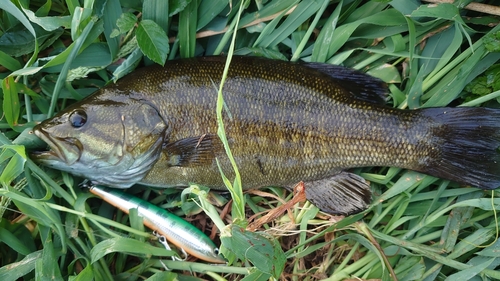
{"x":342,"y":194}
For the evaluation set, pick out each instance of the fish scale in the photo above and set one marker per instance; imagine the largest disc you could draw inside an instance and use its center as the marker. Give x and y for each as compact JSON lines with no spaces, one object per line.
{"x":285,"y":122}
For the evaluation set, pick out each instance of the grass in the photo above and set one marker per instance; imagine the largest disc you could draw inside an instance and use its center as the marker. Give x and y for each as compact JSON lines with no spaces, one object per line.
{"x":418,"y":227}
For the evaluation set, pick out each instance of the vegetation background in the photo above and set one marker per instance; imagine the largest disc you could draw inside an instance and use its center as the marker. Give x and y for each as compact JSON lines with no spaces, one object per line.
{"x":418,"y":228}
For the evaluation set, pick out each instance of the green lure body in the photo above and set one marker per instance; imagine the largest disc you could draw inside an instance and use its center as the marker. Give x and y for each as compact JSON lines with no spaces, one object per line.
{"x":176,"y":230}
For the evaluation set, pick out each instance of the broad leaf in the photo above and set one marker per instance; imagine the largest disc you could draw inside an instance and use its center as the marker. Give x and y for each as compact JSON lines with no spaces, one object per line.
{"x":153,"y":41}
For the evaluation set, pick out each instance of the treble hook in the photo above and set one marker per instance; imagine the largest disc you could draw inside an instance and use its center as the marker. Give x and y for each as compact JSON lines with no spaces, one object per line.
{"x":165,"y":244}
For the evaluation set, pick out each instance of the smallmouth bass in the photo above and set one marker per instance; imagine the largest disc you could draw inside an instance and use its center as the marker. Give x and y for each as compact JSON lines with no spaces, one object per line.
{"x":285,"y":123}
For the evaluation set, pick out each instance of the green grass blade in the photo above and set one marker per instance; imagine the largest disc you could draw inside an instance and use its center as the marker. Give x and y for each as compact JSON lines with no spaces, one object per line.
{"x":13,"y":242}
{"x":236,"y":187}
{"x":9,"y":62}
{"x":208,"y":10}
{"x":187,"y":30}
{"x":441,"y":54}
{"x":455,"y":222}
{"x":48,"y":23}
{"x":156,"y":10}
{"x":47,"y":267}
{"x":454,"y":82}
{"x":11,"y":104}
{"x":113,"y":11}
{"x":9,"y":7}
{"x":21,"y":268}
{"x":325,"y":37}
{"x":272,"y":26}
{"x":471,"y":272}
{"x":64,"y":72}
{"x":305,"y":39}
{"x":128,"y":245}
{"x":299,"y":15}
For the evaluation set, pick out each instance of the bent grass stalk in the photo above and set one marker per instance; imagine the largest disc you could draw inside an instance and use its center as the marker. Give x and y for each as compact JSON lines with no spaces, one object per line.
{"x":235,"y":189}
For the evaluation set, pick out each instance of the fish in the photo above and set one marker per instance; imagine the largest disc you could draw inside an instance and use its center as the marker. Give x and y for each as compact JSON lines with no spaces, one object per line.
{"x":176,"y":230}
{"x":285,"y":122}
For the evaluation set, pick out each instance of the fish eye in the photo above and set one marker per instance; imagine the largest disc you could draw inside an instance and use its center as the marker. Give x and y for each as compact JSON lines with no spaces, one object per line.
{"x":78,"y":118}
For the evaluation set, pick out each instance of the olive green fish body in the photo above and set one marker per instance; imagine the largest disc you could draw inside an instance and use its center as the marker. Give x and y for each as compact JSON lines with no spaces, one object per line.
{"x":285,"y":122}
{"x":279,"y":131}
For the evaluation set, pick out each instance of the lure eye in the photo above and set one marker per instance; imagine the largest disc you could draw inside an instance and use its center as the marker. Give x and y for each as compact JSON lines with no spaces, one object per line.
{"x":78,"y":118}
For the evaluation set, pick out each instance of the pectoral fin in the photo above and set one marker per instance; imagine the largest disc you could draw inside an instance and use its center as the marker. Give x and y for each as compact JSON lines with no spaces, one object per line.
{"x":192,"y":151}
{"x":342,"y":194}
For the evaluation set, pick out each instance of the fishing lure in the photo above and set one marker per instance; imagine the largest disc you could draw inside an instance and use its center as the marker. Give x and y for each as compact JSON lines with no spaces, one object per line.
{"x":179,"y":232}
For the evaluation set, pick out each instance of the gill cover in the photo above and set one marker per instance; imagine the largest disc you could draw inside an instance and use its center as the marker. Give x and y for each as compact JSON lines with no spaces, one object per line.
{"x":110,"y":142}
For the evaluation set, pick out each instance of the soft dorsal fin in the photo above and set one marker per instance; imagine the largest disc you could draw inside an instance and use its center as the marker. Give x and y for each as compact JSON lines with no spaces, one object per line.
{"x":192,"y":151}
{"x":362,"y":86}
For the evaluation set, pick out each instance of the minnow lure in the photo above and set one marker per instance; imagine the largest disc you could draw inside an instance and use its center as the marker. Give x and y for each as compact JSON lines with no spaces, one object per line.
{"x":176,"y":230}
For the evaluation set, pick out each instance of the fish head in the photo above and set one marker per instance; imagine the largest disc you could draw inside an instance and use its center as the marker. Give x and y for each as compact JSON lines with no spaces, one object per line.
{"x":111,"y":142}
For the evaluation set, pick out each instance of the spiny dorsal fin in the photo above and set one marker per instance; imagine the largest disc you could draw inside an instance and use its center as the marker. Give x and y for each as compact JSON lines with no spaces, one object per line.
{"x":362,"y":86}
{"x":192,"y":151}
{"x":342,"y":194}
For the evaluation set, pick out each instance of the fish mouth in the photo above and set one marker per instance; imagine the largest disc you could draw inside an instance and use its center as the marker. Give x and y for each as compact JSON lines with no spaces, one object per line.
{"x":67,"y":150}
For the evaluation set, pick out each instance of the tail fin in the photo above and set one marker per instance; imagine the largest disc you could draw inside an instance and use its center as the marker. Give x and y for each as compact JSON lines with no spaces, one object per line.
{"x":468,"y":146}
